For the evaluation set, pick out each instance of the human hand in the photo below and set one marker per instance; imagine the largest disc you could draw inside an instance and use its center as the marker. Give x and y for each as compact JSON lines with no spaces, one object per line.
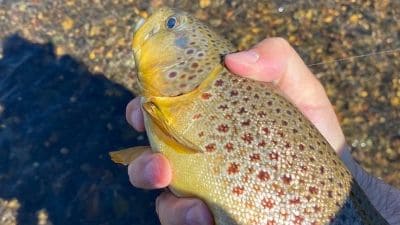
{"x":272,"y":60}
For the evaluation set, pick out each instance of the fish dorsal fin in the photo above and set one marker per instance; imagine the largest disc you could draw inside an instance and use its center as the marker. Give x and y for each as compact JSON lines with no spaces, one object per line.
{"x":165,"y":132}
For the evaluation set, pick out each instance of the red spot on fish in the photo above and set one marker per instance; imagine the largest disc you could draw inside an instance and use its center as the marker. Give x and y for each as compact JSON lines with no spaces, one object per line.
{"x":261,"y":114}
{"x":206,"y":96}
{"x":210,"y":147}
{"x":248,"y":138}
{"x":286,"y":179}
{"x":233,"y":168}
{"x":313,"y":190}
{"x":268,"y":203}
{"x":287,"y":145}
{"x":298,"y":220}
{"x":234,"y":93}
{"x":196,"y":116}
{"x":294,"y":201}
{"x":228,"y":116}
{"x":242,"y":110}
{"x":223,"y":128}
{"x":265,"y":130}
{"x":273,"y":156}
{"x":255,"y":157}
{"x":301,"y":147}
{"x":219,"y":83}
{"x":172,"y":74}
{"x":246,"y":123}
{"x":238,"y":190}
{"x":223,"y":107}
{"x":263,"y":175}
{"x":262,"y":143}
{"x":317,"y":209}
{"x":321,"y":170}
{"x":271,"y":222}
{"x":228,"y":146}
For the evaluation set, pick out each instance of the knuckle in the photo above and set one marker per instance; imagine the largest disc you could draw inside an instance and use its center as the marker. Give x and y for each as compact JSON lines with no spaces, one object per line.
{"x":281,"y":42}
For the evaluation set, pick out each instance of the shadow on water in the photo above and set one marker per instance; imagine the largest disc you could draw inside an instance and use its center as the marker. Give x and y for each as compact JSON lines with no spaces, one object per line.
{"x":57,"y":123}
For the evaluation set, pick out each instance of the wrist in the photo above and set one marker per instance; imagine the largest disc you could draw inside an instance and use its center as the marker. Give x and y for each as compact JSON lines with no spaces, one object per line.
{"x":385,"y":198}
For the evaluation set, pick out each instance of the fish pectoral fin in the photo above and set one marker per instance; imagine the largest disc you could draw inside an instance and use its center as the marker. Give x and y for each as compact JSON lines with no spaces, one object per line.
{"x":167,"y":134}
{"x":127,"y":155}
{"x":156,"y":116}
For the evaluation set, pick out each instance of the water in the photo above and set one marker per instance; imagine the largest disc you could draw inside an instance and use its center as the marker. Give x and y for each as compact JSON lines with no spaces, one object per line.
{"x":58,"y":124}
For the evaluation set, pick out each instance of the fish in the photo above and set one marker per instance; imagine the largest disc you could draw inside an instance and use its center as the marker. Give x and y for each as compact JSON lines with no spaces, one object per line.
{"x":237,"y":144}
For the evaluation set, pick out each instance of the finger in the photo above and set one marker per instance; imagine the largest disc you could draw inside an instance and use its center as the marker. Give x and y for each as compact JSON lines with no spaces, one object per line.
{"x":182,"y":211}
{"x":134,"y":114}
{"x":274,"y":60}
{"x":150,"y":171}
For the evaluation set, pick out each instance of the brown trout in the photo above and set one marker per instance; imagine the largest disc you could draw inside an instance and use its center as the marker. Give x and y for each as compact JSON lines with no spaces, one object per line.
{"x":233,"y":142}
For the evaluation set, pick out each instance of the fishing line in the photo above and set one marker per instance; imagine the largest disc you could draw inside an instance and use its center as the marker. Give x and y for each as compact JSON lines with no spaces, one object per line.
{"x":390,"y":51}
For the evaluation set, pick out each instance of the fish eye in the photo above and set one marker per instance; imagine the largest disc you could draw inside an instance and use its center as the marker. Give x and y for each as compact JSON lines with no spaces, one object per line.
{"x":171,"y":22}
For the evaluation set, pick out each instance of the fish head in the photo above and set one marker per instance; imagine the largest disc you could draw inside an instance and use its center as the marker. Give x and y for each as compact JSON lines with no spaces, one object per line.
{"x":175,"y":52}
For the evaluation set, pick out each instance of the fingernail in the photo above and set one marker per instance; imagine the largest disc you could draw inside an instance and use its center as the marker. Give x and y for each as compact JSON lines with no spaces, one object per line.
{"x":149,"y":170}
{"x":135,"y":117}
{"x":197,"y":216}
{"x":247,"y":57}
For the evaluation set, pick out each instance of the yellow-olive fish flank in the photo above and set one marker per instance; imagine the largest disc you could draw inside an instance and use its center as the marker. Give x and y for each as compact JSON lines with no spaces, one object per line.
{"x":234,"y":142}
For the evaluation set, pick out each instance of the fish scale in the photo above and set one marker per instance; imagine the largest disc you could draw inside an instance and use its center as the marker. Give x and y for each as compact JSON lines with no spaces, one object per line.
{"x":233,"y":142}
